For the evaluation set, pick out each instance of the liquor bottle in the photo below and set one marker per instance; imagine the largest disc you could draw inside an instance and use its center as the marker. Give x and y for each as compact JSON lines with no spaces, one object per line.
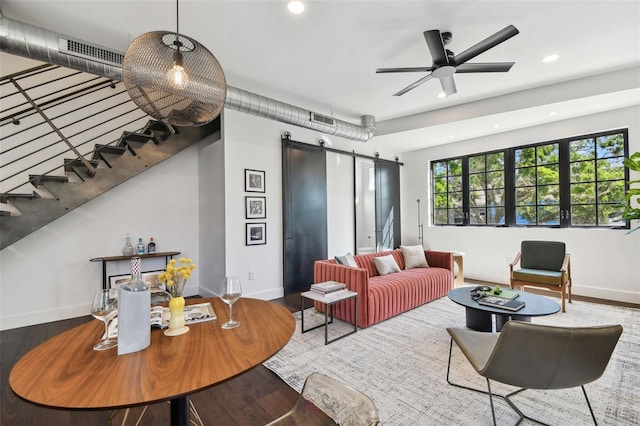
{"x":140,"y":246}
{"x":127,"y":250}
{"x":134,"y":301}
{"x":151,"y":247}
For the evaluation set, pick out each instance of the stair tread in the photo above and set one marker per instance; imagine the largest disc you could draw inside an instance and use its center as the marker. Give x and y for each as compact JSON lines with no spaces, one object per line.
{"x":37,"y":212}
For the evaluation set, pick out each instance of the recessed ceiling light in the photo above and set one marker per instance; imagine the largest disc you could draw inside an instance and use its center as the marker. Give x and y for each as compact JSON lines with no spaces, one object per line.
{"x":550,"y":58}
{"x":295,"y":7}
{"x":496,"y":126}
{"x":552,"y":113}
{"x":442,"y":95}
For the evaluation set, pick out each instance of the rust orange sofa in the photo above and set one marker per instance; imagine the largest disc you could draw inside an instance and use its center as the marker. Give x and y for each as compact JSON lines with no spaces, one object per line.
{"x":382,"y":297}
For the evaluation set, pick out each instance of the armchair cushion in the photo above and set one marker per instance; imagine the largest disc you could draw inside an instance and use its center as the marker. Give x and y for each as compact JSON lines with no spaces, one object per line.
{"x":538,"y":276}
{"x":546,"y":255}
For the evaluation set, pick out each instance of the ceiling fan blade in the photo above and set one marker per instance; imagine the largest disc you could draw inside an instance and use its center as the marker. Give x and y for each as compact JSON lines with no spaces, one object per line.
{"x":486,"y":44}
{"x":485,"y":67}
{"x":436,"y":47}
{"x":448,"y":85}
{"x":405,"y":69}
{"x":413,"y":85}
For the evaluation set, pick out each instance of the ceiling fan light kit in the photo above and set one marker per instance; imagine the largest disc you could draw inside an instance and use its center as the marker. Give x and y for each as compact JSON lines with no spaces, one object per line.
{"x":173,"y":78}
{"x":446,"y":63}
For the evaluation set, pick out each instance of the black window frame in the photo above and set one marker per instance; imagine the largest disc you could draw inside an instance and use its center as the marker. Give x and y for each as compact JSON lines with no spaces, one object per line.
{"x":564,"y":203}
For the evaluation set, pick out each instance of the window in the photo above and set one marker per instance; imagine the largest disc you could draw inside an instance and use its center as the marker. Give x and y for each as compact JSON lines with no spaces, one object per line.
{"x":447,"y":192}
{"x":537,"y":185}
{"x":486,"y":189}
{"x":597,"y":179}
{"x":578,"y":182}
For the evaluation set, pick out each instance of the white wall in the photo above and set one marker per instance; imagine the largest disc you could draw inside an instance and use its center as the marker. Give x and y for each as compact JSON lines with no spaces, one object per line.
{"x":255,"y":143}
{"x":194,"y":203}
{"x":605,"y":263}
{"x":47,"y":275}
{"x":340,"y":205}
{"x":212,"y":233}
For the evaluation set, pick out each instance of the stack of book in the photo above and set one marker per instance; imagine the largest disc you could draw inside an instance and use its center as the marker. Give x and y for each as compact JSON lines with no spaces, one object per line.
{"x":329,"y":288}
{"x":502,"y":303}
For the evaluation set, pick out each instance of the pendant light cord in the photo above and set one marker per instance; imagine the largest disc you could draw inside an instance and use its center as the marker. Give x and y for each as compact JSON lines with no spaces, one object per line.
{"x":177,"y":21}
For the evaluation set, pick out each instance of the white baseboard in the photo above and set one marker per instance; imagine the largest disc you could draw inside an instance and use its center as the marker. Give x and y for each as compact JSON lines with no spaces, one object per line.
{"x":606,"y":294}
{"x":40,"y":317}
{"x":262,"y":295}
{"x":576,"y":290}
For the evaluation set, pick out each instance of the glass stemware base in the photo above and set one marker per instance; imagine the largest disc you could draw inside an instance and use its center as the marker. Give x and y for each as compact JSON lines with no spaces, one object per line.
{"x":105,"y":344}
{"x":230,"y":324}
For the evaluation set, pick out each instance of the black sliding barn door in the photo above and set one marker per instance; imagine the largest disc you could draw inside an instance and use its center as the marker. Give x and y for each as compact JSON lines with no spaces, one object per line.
{"x":387,"y":205}
{"x":304,"y":179}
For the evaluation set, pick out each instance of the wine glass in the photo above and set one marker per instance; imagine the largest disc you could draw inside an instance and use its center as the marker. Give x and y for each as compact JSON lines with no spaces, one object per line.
{"x":230,"y":291}
{"x":105,"y":308}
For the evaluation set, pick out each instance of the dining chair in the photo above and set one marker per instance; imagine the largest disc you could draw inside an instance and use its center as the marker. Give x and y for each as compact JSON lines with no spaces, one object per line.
{"x":543,"y":264}
{"x":323,"y":396}
{"x":534,"y":356}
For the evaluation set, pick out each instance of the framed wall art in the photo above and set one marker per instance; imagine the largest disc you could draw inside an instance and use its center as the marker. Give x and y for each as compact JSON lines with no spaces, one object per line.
{"x":256,"y":234}
{"x":255,"y":207}
{"x":150,"y":277}
{"x":254,"y":180}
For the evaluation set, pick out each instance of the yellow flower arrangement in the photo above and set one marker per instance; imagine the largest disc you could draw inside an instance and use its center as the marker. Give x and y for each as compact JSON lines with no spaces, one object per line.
{"x":176,"y":275}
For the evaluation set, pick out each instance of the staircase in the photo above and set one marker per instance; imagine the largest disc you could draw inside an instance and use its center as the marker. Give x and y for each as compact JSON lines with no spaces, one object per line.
{"x":40,"y":180}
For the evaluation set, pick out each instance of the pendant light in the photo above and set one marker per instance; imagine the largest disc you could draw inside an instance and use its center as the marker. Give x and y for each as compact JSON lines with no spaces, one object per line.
{"x":173,"y":78}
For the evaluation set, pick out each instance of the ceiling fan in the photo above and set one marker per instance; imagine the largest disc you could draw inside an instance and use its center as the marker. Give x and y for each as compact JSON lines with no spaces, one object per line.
{"x":445,"y":63}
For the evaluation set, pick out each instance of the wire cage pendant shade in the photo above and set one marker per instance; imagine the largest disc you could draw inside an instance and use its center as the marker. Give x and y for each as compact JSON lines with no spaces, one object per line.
{"x":173,"y":78}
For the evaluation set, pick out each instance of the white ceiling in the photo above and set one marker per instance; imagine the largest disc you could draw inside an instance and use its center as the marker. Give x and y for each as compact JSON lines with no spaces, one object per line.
{"x":325,"y":59}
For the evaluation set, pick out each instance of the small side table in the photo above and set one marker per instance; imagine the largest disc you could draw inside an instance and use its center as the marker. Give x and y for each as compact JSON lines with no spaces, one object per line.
{"x":329,"y":302}
{"x":459,"y":279}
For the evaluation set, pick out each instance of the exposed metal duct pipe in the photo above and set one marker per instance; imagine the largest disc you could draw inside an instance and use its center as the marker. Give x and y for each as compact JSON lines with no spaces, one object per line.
{"x":21,"y":39}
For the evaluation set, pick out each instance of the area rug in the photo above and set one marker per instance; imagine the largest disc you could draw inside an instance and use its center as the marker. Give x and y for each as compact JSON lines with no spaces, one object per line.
{"x":401,"y":364}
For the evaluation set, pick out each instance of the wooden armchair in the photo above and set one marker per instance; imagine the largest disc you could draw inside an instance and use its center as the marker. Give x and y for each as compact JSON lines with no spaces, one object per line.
{"x":544,"y":264}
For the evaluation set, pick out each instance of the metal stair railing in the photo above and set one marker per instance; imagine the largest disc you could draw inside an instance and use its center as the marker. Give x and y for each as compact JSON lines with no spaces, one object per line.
{"x":67,"y":137}
{"x":40,"y":131}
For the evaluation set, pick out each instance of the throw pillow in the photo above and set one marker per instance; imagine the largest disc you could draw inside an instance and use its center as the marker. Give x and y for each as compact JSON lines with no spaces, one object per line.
{"x":347,"y":260}
{"x":386,"y":265}
{"x":414,"y":257}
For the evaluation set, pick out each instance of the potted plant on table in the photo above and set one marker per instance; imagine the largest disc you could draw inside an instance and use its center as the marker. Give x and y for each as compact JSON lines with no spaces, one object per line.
{"x":175,"y":278}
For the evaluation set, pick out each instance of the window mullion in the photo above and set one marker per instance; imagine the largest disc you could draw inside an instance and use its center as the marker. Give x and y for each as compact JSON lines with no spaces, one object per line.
{"x":465,"y":191}
{"x":565,"y":183}
{"x":510,"y":187}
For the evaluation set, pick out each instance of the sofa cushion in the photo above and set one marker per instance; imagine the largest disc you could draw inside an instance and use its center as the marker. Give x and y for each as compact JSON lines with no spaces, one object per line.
{"x":414,"y":257}
{"x":386,"y":265}
{"x":347,"y":260}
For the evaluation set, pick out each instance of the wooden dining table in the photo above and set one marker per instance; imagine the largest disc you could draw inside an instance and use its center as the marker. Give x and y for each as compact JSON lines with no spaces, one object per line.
{"x":65,"y":372}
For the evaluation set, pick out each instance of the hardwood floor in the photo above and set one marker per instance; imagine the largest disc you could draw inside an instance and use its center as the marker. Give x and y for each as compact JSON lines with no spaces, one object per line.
{"x":253,"y":398}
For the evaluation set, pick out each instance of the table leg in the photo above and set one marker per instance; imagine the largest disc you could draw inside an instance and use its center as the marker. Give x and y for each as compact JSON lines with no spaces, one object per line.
{"x":479,"y":320}
{"x":180,"y":411}
{"x":501,"y":320}
{"x":302,"y":314}
{"x":326,"y":326}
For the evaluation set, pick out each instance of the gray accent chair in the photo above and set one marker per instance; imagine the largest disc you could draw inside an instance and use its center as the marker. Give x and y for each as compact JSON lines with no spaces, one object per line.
{"x":534,"y":356}
{"x":325,"y":401}
{"x":544,"y":264}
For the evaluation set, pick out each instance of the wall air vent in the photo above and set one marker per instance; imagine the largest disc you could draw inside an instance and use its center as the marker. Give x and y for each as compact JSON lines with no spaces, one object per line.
{"x":322,"y":119}
{"x":86,"y":51}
